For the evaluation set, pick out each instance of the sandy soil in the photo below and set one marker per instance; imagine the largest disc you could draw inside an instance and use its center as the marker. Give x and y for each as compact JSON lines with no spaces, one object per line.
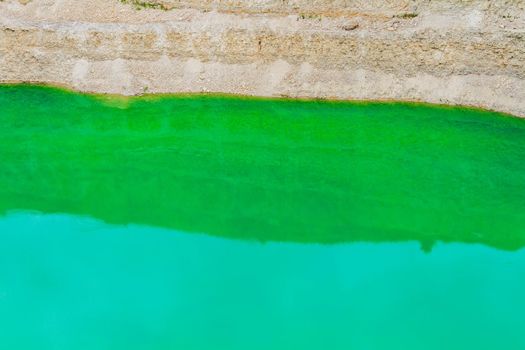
{"x":470,"y":52}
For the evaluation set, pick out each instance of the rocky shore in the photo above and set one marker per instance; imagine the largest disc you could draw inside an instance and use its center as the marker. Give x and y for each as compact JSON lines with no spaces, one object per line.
{"x":453,"y":52}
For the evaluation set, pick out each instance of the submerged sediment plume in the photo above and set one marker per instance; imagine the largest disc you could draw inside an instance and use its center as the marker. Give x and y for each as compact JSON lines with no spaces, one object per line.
{"x":453,"y":52}
{"x":267,"y":170}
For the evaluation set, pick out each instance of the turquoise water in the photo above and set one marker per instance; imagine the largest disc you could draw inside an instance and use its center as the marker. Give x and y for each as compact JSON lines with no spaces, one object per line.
{"x":212,"y":222}
{"x":76,"y":283}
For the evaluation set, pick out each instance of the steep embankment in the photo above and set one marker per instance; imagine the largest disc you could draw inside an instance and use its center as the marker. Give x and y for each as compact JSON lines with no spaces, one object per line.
{"x":458,"y":52}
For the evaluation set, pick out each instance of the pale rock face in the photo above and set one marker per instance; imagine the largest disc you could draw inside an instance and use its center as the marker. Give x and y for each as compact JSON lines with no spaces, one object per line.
{"x":80,"y":72}
{"x":468,"y":52}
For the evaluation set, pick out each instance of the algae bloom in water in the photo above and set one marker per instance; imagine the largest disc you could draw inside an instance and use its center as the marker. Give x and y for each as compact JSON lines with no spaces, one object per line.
{"x":139,"y":223}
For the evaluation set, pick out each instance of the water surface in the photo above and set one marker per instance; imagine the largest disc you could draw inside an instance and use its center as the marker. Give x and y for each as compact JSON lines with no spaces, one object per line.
{"x":211,"y":222}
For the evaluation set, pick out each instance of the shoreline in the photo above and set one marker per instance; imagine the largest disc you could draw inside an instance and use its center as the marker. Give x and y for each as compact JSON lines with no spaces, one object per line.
{"x":444,"y":53}
{"x":149,"y":95}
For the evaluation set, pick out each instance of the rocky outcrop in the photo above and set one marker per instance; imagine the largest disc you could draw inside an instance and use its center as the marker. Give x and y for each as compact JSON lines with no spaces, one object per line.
{"x":454,"y":52}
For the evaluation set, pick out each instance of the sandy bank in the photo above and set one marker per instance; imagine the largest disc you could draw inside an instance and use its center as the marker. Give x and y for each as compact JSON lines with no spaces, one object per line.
{"x":468,"y":53}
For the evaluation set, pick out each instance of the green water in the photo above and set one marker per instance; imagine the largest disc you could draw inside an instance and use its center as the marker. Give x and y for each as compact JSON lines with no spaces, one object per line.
{"x":228,"y":223}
